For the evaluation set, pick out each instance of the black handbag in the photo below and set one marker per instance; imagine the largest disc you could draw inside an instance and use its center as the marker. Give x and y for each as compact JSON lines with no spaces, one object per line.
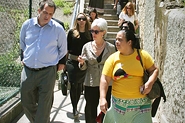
{"x":155,"y":91}
{"x":64,"y":82}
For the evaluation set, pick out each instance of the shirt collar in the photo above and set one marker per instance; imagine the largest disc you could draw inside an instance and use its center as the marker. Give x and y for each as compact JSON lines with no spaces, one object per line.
{"x":35,"y":22}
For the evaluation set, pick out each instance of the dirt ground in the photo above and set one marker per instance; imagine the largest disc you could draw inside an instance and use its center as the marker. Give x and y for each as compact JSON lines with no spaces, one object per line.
{"x":64,"y":18}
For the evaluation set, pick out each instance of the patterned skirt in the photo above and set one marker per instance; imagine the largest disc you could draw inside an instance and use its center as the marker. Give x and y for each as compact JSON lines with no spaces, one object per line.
{"x":129,"y":111}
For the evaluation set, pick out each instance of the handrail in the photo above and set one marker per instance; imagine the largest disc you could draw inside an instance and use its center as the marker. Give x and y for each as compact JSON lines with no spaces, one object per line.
{"x":76,"y":9}
{"x":79,"y":8}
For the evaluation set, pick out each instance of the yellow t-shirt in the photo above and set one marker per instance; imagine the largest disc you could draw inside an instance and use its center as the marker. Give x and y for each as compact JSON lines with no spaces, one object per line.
{"x":127,"y":72}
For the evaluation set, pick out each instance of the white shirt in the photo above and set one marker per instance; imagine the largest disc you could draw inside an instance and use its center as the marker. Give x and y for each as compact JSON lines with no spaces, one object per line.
{"x":125,"y":17}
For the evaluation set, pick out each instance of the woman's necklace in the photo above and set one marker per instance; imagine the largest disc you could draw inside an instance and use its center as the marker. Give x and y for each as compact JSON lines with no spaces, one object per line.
{"x":99,"y":48}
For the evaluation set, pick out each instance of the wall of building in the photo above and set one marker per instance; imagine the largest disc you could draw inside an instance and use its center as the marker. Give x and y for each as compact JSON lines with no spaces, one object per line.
{"x":162,"y":33}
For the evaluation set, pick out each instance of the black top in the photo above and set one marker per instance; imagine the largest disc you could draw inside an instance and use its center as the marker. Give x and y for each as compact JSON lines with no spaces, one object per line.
{"x":63,"y":60}
{"x":60,"y":22}
{"x":75,"y":44}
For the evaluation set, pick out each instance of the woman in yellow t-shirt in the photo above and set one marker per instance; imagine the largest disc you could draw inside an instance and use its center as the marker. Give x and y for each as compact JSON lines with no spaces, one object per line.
{"x":129,"y":101}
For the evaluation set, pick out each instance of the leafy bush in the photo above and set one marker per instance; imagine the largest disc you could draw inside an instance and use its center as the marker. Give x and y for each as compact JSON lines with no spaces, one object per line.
{"x":59,"y":3}
{"x":66,"y":24}
{"x":66,"y":6}
{"x":67,"y":11}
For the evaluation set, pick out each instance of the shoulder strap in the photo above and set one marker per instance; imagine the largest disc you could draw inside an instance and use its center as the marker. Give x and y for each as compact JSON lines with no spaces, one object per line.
{"x":140,"y":58}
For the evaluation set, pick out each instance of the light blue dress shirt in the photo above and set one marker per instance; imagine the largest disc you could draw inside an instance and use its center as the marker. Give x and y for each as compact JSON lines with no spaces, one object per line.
{"x":42,"y":46}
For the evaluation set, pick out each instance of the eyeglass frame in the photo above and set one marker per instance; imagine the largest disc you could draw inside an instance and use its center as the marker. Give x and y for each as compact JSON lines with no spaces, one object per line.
{"x":129,"y":8}
{"x":79,"y":19}
{"x":125,"y":27}
{"x":95,"y":31}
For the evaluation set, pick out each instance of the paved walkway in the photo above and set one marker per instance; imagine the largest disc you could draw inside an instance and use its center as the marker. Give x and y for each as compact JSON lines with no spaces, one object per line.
{"x":62,"y":109}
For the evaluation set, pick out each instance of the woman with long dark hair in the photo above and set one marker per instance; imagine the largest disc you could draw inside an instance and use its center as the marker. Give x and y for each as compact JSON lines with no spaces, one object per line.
{"x":129,"y":101}
{"x":76,"y":38}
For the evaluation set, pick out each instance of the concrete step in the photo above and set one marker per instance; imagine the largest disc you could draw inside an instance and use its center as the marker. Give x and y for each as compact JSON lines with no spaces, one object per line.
{"x":106,"y":6}
{"x":110,"y":11}
{"x":111,"y":34}
{"x":113,"y":28}
{"x":112,"y":22}
{"x":105,"y":1}
{"x":110,"y":17}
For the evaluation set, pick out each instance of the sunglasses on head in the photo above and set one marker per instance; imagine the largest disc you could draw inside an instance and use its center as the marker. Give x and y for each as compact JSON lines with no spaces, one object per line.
{"x":125,"y":27}
{"x":96,"y":31}
{"x":79,"y":19}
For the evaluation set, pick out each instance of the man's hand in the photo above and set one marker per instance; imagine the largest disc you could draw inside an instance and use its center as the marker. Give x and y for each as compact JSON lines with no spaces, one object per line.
{"x":60,"y":67}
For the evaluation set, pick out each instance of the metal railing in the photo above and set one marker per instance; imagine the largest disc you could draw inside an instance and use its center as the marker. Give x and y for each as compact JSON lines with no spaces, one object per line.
{"x":75,"y":12}
{"x":79,"y":7}
{"x":13,"y":13}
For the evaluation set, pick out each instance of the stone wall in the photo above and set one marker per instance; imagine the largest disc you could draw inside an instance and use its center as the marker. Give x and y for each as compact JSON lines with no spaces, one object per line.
{"x":162,"y":34}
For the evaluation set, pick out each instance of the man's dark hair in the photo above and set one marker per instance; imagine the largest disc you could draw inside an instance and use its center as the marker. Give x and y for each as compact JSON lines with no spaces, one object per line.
{"x":49,"y":2}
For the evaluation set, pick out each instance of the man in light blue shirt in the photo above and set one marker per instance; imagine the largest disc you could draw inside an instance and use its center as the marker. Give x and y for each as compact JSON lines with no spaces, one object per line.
{"x":43,"y":45}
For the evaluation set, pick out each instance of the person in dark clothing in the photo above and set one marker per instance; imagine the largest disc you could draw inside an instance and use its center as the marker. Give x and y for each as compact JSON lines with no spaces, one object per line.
{"x":93,"y":14}
{"x":122,"y":4}
{"x":98,"y":5}
{"x":60,"y":22}
{"x":43,"y":45}
{"x":76,"y":38}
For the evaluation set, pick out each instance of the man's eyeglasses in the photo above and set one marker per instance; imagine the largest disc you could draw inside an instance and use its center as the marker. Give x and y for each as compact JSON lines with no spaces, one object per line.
{"x":79,"y":19}
{"x":96,"y":31}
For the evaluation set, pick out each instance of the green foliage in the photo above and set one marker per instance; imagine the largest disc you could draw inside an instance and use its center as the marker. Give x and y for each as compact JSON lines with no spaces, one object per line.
{"x":1,"y":9}
{"x":67,"y":11}
{"x":63,"y":3}
{"x":66,"y":6}
{"x":19,"y":16}
{"x":10,"y":69}
{"x":9,"y":72}
{"x":59,"y":3}
{"x":66,"y":25}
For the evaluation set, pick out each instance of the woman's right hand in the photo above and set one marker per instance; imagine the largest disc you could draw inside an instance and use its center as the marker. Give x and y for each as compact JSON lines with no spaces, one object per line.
{"x":120,"y":21}
{"x":103,"y":105}
{"x":114,"y":7}
{"x":81,"y":59}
